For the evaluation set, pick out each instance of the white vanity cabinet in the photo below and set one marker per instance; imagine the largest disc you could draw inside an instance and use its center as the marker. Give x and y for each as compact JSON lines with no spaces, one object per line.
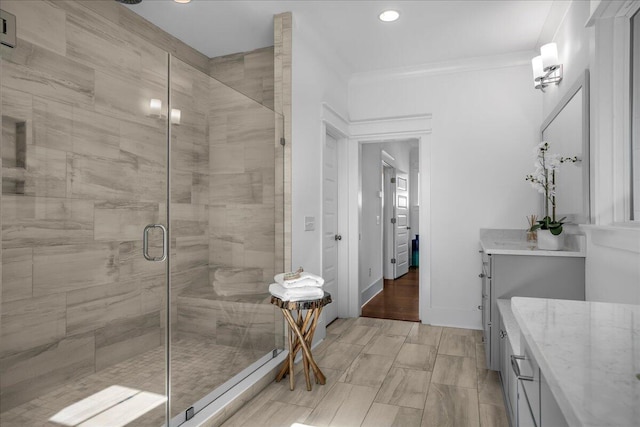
{"x":524,"y":273}
{"x":584,"y":361}
{"x":550,"y":412}
{"x":507,"y":376}
{"x":528,"y":398}
{"x":536,"y":404}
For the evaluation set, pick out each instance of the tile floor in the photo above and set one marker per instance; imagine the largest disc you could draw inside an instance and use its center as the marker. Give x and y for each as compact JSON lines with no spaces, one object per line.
{"x":387,"y":373}
{"x":199,"y":367}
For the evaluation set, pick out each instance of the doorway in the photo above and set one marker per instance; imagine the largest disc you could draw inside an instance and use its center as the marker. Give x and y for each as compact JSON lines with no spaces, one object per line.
{"x":388,"y":271}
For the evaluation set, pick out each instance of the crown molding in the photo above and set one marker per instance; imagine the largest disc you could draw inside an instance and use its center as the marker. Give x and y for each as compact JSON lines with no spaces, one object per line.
{"x":603,"y":9}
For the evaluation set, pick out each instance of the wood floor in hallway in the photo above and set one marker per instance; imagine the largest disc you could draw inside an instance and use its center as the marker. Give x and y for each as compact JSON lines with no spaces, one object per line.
{"x":387,"y":373}
{"x":398,"y":299}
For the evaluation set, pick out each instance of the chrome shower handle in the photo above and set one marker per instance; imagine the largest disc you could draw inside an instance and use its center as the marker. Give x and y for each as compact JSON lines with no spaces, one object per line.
{"x":145,"y":243}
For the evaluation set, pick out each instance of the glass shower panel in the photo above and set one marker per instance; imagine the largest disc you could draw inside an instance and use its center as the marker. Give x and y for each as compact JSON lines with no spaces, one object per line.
{"x":84,"y":170}
{"x":225,"y":160}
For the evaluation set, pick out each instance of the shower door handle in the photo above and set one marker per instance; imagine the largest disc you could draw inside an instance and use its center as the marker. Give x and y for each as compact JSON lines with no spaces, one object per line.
{"x":145,"y":243}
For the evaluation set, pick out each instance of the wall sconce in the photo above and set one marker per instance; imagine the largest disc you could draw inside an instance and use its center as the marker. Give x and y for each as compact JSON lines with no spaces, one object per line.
{"x":546,"y":67}
{"x":155,"y":110}
{"x":155,"y":107}
{"x":175,"y":116}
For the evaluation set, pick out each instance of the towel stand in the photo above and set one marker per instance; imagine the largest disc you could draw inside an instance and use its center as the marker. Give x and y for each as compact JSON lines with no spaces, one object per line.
{"x":301,"y":330}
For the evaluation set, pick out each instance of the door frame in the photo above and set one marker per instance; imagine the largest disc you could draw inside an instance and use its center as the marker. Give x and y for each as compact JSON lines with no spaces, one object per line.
{"x":336,"y":126}
{"x":390,"y":129}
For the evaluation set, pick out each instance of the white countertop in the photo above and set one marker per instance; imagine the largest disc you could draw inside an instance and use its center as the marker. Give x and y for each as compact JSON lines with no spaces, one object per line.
{"x":514,"y":242}
{"x":589,"y":352}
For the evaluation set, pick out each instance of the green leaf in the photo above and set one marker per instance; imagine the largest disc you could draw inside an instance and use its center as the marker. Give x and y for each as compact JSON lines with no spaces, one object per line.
{"x":556,"y":230}
{"x":535,"y":227}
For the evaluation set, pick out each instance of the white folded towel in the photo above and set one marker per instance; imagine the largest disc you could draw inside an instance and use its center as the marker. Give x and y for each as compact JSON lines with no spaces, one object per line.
{"x":305,"y":279}
{"x":295,"y":294}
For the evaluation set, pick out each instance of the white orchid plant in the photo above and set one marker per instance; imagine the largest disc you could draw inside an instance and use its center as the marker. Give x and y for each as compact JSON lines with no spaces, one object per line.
{"x":543,"y":179}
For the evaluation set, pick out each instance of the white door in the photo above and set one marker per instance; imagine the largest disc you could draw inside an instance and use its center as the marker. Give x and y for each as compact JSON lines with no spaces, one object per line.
{"x":330,"y":233}
{"x":401,"y":226}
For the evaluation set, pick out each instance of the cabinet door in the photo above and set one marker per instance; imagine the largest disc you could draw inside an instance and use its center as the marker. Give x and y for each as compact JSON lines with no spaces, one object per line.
{"x":525,"y":417}
{"x":512,"y":395}
{"x":486,"y":318}
{"x":504,"y":364}
{"x":550,"y":413}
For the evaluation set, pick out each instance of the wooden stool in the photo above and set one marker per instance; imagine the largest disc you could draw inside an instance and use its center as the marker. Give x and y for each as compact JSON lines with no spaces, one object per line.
{"x":301,"y":335}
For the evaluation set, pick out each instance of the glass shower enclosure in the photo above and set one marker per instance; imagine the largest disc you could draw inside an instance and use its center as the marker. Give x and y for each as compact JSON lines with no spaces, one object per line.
{"x":139,"y":208}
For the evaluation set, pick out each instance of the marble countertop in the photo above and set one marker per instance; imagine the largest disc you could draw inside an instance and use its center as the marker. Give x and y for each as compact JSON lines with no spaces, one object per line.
{"x":589,"y":352}
{"x":514,"y":242}
{"x":510,"y":324}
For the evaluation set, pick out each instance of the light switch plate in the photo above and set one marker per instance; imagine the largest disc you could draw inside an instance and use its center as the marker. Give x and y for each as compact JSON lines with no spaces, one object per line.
{"x":309,"y":223}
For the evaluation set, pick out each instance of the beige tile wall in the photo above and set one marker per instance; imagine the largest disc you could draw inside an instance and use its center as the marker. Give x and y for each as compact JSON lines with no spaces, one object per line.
{"x":77,"y":296}
{"x":283,"y":52}
{"x":250,"y":73}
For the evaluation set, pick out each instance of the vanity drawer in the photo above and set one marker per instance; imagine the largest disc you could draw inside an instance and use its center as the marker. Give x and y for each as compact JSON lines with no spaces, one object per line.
{"x":528,"y":374}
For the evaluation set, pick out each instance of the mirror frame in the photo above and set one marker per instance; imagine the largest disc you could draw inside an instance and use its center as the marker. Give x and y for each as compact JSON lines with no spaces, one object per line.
{"x":582,"y":83}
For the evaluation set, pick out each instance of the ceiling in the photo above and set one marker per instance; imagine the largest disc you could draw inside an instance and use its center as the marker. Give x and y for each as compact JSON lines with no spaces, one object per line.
{"x":427,"y":31}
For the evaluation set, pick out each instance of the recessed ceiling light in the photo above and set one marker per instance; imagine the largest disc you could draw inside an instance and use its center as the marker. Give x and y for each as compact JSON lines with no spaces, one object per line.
{"x":182,"y":1}
{"x":389,"y":15}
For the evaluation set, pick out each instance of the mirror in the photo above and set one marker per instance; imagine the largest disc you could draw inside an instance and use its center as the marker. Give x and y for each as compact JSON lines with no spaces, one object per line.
{"x":566,"y":130}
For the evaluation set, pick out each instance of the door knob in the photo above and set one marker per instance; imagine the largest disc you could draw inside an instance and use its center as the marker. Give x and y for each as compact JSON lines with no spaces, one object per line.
{"x":337,"y":237}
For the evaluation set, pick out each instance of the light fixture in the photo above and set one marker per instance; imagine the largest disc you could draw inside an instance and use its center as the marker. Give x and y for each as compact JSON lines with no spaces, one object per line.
{"x":155,"y":107}
{"x":389,"y":15}
{"x":546,"y":67}
{"x":175,"y":116}
{"x":182,"y":1}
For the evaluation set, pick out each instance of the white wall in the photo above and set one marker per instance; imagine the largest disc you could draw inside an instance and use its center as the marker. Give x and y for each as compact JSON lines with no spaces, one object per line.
{"x":612,"y":265}
{"x":414,"y":169}
{"x":371,"y":230}
{"x":484,"y":125}
{"x":574,"y":51}
{"x":317,"y":77}
{"x":399,"y":150}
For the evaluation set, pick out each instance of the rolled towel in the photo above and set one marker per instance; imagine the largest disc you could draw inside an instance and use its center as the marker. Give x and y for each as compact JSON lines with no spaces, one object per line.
{"x":305,"y":279}
{"x":295,"y":294}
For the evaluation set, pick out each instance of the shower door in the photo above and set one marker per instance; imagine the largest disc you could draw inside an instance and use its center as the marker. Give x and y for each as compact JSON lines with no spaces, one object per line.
{"x":84,"y":170}
{"x":226,"y":204}
{"x":142,"y":222}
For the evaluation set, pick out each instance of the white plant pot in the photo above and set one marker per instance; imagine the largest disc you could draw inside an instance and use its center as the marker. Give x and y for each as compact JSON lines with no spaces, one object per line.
{"x":549,"y":242}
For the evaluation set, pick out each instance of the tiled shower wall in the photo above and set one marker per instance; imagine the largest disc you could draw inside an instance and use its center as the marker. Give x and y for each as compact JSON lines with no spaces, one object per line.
{"x":84,"y":172}
{"x":250,"y":73}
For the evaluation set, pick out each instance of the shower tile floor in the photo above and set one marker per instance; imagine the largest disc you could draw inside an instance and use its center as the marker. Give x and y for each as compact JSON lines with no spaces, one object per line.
{"x":198,"y":367}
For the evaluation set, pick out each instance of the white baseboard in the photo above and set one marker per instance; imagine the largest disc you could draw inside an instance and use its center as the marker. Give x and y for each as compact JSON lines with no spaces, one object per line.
{"x":455,"y":318}
{"x":371,"y":291}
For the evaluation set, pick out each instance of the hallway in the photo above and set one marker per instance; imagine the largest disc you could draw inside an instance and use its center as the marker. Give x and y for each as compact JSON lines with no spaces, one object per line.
{"x":398,"y":300}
